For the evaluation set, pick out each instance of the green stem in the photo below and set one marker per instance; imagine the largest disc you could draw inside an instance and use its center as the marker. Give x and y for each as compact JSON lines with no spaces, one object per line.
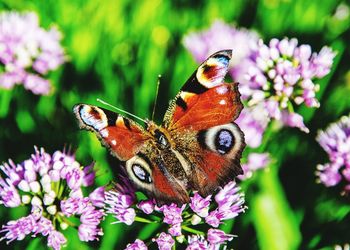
{"x":144,"y":220}
{"x":191,"y":230}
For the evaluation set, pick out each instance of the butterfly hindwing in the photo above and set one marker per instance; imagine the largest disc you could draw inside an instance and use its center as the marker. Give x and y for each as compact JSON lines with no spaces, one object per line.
{"x":152,"y":171}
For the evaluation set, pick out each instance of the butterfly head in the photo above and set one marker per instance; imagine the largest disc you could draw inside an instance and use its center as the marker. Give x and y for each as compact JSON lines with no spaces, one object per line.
{"x":160,"y":134}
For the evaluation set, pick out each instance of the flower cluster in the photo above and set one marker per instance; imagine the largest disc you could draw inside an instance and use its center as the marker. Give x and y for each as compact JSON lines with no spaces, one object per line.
{"x":27,"y":52}
{"x":182,"y":221}
{"x":254,"y":162}
{"x":282,"y":75}
{"x":118,"y":201}
{"x":253,"y":122}
{"x":222,"y":36}
{"x":52,"y":187}
{"x":335,"y":140}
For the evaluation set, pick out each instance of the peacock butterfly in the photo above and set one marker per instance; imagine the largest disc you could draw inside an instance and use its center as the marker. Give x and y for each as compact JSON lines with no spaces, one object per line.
{"x":197,"y":147}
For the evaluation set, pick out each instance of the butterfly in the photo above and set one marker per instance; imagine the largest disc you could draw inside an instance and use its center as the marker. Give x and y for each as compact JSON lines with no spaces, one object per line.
{"x":196,"y":148}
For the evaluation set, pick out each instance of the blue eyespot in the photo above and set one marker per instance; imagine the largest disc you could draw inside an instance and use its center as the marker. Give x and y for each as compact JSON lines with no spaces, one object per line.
{"x":141,"y":173}
{"x":224,"y":141}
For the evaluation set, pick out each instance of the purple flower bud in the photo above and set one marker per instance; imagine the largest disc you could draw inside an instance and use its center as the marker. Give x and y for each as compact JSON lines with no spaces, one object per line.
{"x":172,"y":213}
{"x":253,"y":122}
{"x":37,"y":84}
{"x":91,"y":216}
{"x":89,"y":175}
{"x":54,"y":175}
{"x":175,"y":230}
{"x":294,"y":120}
{"x":13,"y":172}
{"x":126,"y":215}
{"x":71,"y":206}
{"x":197,"y":243}
{"x":74,"y":178}
{"x":9,"y":195}
{"x":137,"y":245}
{"x":146,"y":206}
{"x":56,"y":239}
{"x":272,"y":108}
{"x":329,"y":174}
{"x":89,"y":232}
{"x":323,"y":61}
{"x":200,"y":205}
{"x":216,"y":236}
{"x":224,"y":197}
{"x":214,"y":218}
{"x":255,"y":161}
{"x":97,"y":197}
{"x":164,"y":241}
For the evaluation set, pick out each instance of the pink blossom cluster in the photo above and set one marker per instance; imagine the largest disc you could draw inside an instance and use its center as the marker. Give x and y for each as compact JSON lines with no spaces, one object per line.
{"x":51,"y":186}
{"x":227,"y":204}
{"x":335,"y":140}
{"x":27,"y":52}
{"x":281,"y":76}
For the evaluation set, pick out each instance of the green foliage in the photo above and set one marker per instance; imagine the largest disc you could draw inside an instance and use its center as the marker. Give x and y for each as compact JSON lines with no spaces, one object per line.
{"x":117,"y":49}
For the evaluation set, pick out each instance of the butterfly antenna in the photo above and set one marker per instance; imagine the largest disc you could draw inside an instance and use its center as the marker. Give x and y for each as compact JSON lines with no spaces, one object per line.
{"x":155,"y":101}
{"x":120,"y":110}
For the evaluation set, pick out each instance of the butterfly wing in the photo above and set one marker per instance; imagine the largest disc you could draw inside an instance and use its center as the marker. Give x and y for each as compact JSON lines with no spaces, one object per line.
{"x":201,"y":122}
{"x":134,"y":146}
{"x":119,"y":134}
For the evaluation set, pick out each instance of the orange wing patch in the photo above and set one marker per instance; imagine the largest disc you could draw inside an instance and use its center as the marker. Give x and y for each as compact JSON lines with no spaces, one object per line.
{"x":216,"y":106}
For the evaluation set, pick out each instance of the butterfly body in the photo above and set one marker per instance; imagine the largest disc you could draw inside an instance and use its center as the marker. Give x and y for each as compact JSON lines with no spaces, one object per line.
{"x":197,"y":147}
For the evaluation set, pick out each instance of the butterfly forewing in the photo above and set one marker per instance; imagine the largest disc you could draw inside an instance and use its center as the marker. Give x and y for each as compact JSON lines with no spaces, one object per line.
{"x":121,"y":135}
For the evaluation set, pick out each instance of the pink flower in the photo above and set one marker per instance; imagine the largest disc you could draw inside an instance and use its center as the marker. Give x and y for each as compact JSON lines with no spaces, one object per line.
{"x":175,"y":230}
{"x":216,"y":236}
{"x":254,"y":162}
{"x":200,"y":205}
{"x":89,"y":232}
{"x":335,"y":140}
{"x":97,"y":197}
{"x":56,"y":240}
{"x":294,"y":120}
{"x":73,"y":205}
{"x":172,"y":213}
{"x":36,"y":84}
{"x":253,"y":122}
{"x":197,"y":243}
{"x":137,"y":245}
{"x":119,"y":205}
{"x":164,"y":241}
{"x":146,"y":206}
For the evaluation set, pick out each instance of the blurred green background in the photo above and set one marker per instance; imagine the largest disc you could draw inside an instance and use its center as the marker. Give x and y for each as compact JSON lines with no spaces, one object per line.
{"x":116,"y":51}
